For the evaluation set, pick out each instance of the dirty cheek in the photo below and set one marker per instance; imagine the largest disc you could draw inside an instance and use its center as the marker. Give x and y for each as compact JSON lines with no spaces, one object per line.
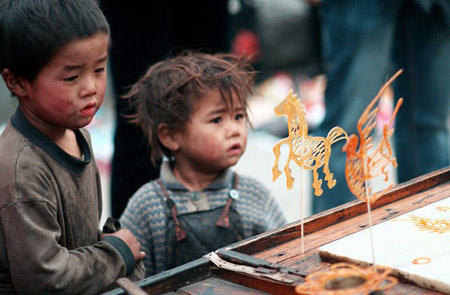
{"x":210,"y":147}
{"x":62,"y":107}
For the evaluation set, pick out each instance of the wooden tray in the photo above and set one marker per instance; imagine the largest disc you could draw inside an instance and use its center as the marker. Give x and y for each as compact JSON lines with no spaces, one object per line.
{"x":272,"y":263}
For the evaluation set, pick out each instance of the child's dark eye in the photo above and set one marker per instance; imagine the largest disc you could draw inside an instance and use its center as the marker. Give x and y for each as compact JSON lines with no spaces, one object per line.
{"x":100,"y":70}
{"x":239,"y":117}
{"x":71,"y":78}
{"x":217,"y":120}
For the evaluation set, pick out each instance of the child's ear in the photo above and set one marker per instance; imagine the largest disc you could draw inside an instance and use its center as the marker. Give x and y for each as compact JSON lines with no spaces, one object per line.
{"x":167,"y":137}
{"x":15,"y":84}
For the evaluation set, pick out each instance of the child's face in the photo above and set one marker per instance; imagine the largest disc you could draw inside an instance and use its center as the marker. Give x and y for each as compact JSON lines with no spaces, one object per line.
{"x":70,"y":89}
{"x":214,"y":139}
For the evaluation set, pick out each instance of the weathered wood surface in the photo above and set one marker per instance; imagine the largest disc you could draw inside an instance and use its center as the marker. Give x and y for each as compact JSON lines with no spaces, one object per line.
{"x":281,"y":247}
{"x":173,"y":279}
{"x":218,"y":286}
{"x":130,"y":287}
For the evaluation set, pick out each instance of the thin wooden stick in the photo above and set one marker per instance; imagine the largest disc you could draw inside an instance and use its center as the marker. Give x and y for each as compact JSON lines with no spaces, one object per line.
{"x":301,"y":207}
{"x":369,"y":212}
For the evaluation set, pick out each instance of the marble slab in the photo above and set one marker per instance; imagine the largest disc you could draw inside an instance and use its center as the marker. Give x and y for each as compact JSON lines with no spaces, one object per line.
{"x":416,"y":246}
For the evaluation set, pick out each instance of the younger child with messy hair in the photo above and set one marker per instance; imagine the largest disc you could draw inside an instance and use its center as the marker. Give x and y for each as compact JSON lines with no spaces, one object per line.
{"x":193,"y":109}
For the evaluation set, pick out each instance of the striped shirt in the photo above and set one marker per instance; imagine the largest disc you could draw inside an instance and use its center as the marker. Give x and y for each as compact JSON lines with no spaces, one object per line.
{"x":145,"y":215}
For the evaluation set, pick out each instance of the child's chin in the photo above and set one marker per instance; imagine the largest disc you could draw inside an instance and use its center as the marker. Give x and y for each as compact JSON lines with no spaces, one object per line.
{"x":232,"y":162}
{"x":224,"y":163}
{"x":85,"y":122}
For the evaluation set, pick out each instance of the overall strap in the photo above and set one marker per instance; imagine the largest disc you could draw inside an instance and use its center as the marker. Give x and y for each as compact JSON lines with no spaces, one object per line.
{"x":179,"y":232}
{"x":224,"y":220}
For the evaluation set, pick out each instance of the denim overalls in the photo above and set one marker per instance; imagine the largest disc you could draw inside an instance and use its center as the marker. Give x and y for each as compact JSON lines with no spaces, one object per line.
{"x":191,"y":235}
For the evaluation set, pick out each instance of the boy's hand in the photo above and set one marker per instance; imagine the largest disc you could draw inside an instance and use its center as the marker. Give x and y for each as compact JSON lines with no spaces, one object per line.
{"x":126,"y":236}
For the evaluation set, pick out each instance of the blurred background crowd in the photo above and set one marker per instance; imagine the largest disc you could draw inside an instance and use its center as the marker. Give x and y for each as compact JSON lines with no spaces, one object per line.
{"x":290,"y":43}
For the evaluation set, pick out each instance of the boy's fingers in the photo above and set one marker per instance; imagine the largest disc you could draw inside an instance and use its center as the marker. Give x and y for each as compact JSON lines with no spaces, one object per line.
{"x":142,"y":255}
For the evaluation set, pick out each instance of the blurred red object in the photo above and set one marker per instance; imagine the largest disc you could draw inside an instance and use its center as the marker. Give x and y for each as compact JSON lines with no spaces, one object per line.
{"x":246,"y":43}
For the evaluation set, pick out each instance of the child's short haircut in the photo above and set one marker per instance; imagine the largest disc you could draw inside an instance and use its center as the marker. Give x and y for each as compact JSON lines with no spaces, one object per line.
{"x":32,"y":31}
{"x":167,"y":93}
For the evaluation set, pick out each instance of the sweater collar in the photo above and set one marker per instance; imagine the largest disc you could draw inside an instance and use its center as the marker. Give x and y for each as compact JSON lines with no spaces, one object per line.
{"x":224,"y":180}
{"x":21,"y":123}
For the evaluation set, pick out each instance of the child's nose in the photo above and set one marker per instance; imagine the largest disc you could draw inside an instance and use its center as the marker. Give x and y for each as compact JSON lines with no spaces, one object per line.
{"x":234,"y":129}
{"x":89,"y":87}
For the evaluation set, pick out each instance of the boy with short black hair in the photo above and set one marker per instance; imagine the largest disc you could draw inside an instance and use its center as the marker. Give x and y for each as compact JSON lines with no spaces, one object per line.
{"x":53,"y":57}
{"x":193,"y":109}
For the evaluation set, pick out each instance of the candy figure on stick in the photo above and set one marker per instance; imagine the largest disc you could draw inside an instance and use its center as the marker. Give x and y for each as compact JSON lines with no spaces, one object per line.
{"x":367,"y":162}
{"x":363,"y":163}
{"x":308,"y":152}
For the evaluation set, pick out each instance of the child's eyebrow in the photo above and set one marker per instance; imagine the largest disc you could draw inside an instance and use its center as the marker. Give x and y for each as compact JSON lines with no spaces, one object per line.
{"x":103,"y":59}
{"x":218,"y":110}
{"x":69,"y":68}
{"x":221,"y":110}
{"x":239,"y":108}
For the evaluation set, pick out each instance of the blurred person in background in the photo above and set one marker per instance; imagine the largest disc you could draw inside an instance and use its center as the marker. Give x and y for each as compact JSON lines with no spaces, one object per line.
{"x":363,"y":42}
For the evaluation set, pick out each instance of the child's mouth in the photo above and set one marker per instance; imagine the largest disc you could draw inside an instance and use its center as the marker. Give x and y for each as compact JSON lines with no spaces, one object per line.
{"x":89,"y":109}
{"x":235,"y":150}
